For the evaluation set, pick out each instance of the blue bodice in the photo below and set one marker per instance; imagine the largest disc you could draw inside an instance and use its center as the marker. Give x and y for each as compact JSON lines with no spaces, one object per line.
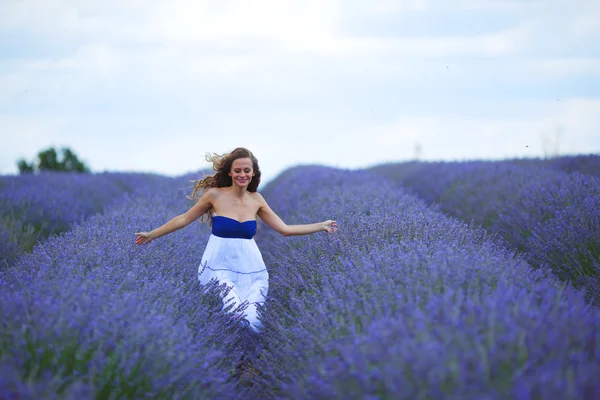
{"x":226,"y":227}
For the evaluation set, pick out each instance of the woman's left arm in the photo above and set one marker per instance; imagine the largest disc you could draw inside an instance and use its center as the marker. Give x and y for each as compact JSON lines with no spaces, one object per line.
{"x":274,"y":221}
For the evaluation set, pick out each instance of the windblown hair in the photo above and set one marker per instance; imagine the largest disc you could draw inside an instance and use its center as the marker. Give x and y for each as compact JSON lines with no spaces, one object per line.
{"x":222,"y":165}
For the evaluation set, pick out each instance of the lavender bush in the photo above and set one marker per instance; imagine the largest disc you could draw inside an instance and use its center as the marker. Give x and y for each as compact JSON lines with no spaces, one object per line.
{"x":407,"y":303}
{"x":33,"y":207}
{"x":552,"y":217}
{"x":88,"y":314}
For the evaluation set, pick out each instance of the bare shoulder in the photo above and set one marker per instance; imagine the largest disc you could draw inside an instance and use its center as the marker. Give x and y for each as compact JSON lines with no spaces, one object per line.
{"x":209,"y":195}
{"x":261,"y":203}
{"x":258,"y":197}
{"x":213,"y":192}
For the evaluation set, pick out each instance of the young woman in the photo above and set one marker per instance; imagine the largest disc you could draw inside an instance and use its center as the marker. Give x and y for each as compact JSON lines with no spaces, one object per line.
{"x":231,"y":203}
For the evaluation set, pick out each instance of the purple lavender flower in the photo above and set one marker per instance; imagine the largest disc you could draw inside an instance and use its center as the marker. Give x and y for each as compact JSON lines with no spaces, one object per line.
{"x":552,"y":217}
{"x":402,"y":302}
{"x":33,"y":207}
{"x":406,"y":302}
{"x":104,"y":317}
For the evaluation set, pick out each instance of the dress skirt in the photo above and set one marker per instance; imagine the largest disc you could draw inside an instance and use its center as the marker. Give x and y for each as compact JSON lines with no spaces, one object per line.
{"x":237,"y":263}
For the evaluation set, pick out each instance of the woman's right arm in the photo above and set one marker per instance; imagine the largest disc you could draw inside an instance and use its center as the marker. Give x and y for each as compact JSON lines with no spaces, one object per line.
{"x":204,"y":203}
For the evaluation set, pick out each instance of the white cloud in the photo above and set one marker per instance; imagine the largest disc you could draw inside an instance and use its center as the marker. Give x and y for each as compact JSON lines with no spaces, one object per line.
{"x":285,"y":140}
{"x":476,"y":137}
{"x":306,"y":25}
{"x":153,"y":85}
{"x":283,"y":26}
{"x":502,"y":5}
{"x":495,"y":44}
{"x":23,"y":137}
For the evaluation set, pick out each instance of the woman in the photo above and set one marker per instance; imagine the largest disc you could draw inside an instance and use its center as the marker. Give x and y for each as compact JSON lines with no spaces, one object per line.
{"x":231,"y":203}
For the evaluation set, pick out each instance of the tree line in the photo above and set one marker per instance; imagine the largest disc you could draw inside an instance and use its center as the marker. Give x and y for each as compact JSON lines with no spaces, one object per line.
{"x":50,"y":160}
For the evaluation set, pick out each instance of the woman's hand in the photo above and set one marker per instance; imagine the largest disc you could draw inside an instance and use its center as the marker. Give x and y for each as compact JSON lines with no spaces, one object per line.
{"x":143,"y":237}
{"x":329,"y":226}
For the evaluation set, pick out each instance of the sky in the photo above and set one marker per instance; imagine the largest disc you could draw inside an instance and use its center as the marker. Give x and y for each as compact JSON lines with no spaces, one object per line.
{"x":153,"y":85}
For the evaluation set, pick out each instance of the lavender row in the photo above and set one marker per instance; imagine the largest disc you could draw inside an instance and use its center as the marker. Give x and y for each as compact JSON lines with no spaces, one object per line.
{"x":33,"y":207}
{"x":88,"y":314}
{"x":584,"y":163}
{"x":407,"y":303}
{"x":552,"y":217}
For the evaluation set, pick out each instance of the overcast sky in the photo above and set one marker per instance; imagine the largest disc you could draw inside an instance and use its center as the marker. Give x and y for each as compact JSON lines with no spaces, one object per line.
{"x":152,"y":85}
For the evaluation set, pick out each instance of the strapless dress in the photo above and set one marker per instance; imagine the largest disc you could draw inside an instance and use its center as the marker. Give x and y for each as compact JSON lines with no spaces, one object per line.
{"x":232,"y":257}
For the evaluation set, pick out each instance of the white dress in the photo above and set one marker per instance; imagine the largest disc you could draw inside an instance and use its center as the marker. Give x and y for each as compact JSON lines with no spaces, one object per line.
{"x":233,"y":258}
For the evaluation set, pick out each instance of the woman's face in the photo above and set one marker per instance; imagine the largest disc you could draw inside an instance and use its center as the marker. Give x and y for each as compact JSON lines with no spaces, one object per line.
{"x":241,"y":172}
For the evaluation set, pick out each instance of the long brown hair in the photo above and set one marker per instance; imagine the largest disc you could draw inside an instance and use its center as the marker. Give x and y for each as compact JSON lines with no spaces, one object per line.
{"x":222,"y":164}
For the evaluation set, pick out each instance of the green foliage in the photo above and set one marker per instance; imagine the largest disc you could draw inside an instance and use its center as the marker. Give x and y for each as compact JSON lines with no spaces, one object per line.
{"x":48,"y":160}
{"x":24,"y":167}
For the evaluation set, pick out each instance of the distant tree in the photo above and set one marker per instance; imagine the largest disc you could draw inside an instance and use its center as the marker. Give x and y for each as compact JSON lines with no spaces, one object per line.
{"x":24,"y":167}
{"x":48,"y":160}
{"x":72,"y":163}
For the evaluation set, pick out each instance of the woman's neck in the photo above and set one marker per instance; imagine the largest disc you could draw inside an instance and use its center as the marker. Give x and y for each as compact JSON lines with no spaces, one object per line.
{"x":238,"y":192}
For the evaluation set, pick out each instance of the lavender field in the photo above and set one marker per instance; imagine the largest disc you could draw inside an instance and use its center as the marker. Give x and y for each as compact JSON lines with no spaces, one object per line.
{"x":408,"y":300}
{"x":549,"y":210}
{"x":33,"y":207}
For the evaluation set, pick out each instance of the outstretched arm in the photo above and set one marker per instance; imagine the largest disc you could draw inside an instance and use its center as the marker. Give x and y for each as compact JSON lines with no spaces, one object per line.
{"x":203,"y":204}
{"x":274,"y":221}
